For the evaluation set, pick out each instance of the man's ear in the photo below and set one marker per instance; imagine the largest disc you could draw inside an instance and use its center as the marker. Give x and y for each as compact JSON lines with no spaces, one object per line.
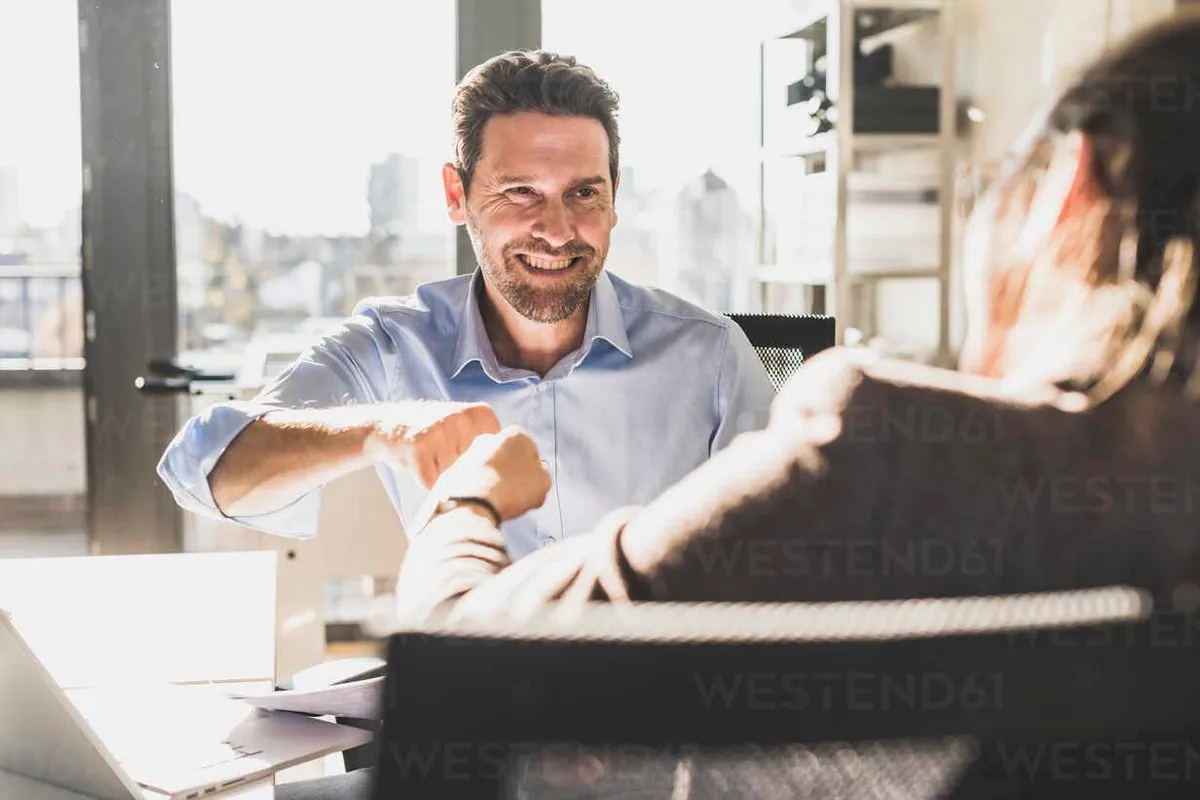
{"x":456,"y":194}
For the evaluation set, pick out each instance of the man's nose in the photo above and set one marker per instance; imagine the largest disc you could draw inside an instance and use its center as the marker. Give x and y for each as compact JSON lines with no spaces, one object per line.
{"x":554,"y":225}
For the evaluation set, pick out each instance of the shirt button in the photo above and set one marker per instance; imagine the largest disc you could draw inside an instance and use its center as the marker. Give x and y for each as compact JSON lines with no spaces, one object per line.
{"x":542,"y":387}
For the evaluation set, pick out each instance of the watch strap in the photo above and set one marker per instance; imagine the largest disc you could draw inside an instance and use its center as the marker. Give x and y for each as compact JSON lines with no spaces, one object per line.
{"x":479,"y":502}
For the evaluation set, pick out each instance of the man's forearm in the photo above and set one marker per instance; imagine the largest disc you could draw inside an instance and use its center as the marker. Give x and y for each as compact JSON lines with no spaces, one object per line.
{"x":285,"y":454}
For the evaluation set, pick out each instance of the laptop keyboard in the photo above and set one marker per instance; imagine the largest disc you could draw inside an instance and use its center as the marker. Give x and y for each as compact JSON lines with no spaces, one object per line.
{"x":218,"y":754}
{"x":178,"y":731}
{"x":186,"y":757}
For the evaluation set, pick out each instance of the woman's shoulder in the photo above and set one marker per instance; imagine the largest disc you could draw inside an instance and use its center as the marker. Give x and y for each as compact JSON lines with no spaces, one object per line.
{"x":843,"y":377}
{"x":863,"y":397}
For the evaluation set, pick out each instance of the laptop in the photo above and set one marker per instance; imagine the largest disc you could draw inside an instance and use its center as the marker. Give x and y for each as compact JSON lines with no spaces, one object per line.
{"x":171,"y":742}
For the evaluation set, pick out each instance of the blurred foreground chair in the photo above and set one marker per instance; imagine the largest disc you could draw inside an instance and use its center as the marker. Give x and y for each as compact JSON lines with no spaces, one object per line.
{"x":1030,"y":697}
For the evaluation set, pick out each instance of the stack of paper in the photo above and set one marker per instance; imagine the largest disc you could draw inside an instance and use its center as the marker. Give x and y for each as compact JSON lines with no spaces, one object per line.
{"x":361,"y":699}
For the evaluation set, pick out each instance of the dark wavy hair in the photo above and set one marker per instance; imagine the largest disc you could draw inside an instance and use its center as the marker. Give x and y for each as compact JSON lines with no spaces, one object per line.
{"x":529,"y":80}
{"x":1139,"y":107}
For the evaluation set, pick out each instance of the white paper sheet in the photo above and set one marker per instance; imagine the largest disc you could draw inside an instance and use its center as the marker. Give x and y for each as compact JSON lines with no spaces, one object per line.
{"x":357,"y":699}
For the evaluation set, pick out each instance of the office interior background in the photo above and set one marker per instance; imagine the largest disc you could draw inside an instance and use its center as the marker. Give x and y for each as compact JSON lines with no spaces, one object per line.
{"x":217,"y":181}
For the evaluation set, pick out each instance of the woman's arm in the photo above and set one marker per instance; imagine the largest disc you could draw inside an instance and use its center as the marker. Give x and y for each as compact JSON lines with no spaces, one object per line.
{"x":706,"y":538}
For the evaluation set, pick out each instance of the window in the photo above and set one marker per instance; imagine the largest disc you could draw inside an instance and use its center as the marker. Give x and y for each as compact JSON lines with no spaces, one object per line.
{"x":687,"y":73}
{"x":43,"y":481}
{"x":308,"y":142}
{"x":41,"y":307}
{"x":308,"y":145}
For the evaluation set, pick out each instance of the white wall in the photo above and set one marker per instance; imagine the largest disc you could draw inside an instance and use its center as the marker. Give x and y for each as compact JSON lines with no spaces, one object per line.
{"x":1016,"y":54}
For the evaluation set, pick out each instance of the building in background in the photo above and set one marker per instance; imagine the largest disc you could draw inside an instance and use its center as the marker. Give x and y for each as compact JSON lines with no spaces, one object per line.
{"x":392,"y":198}
{"x":713,"y":242}
{"x":633,"y":248}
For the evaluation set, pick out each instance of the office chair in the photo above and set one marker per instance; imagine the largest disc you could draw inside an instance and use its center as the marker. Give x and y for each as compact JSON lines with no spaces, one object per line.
{"x":1031,"y":697}
{"x":783,"y":341}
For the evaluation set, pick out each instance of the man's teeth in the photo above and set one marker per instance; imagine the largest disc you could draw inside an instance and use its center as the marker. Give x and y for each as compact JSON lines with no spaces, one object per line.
{"x":546,"y":264}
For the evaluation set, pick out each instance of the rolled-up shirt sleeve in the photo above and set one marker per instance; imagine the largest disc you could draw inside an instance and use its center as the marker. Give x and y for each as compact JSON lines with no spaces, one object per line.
{"x":346,"y":367}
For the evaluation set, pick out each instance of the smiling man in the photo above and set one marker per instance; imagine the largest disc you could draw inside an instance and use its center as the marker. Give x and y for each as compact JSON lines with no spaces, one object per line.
{"x":624,"y":389}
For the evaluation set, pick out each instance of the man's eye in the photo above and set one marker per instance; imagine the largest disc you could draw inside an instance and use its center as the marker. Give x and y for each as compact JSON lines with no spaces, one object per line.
{"x":524,"y":191}
{"x":587,"y":191}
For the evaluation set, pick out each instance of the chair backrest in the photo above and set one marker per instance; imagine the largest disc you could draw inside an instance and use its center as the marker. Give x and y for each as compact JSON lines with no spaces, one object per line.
{"x":784,"y":341}
{"x":983,"y":697}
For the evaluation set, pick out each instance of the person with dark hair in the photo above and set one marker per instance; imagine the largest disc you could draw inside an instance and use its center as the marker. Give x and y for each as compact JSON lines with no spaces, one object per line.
{"x":1063,"y":454}
{"x":623,"y":388}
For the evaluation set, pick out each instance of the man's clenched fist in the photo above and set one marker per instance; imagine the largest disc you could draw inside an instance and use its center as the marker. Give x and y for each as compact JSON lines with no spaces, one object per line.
{"x":426,"y":437}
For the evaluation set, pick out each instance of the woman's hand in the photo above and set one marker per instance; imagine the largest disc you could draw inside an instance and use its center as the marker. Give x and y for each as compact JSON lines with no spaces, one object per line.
{"x":454,"y":553}
{"x":504,"y":468}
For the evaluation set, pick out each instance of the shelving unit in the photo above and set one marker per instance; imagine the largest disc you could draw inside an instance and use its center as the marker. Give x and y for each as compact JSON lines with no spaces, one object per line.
{"x":827,"y":170}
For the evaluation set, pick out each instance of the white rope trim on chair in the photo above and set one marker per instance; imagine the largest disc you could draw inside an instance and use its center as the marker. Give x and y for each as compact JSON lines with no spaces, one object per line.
{"x":781,"y":622}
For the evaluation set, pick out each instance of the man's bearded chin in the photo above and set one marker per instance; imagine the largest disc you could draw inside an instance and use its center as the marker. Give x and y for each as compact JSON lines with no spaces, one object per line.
{"x":550,"y":302}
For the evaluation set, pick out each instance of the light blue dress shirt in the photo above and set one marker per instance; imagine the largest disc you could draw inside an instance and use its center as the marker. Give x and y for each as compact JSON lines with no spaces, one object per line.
{"x":657,"y":387}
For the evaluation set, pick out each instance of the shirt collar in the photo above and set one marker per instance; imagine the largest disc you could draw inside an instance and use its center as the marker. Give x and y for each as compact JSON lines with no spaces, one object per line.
{"x":605,"y":321}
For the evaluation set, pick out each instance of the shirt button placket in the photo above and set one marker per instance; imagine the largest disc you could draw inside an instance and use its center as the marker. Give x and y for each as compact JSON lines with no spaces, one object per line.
{"x":543,"y":416}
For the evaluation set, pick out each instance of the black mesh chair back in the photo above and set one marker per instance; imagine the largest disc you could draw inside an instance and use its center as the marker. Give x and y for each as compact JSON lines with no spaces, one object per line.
{"x":1032,"y":697}
{"x":783,"y":341}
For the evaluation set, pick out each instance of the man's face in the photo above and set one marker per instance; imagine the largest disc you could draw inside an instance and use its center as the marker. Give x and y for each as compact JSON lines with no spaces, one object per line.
{"x":539,"y":211}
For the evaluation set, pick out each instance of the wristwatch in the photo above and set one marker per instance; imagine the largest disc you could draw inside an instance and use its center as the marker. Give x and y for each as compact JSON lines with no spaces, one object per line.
{"x":433,"y":507}
{"x":450,"y":503}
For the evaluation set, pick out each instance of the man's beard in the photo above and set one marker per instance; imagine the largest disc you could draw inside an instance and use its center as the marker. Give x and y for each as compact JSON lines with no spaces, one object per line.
{"x":540,"y":303}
